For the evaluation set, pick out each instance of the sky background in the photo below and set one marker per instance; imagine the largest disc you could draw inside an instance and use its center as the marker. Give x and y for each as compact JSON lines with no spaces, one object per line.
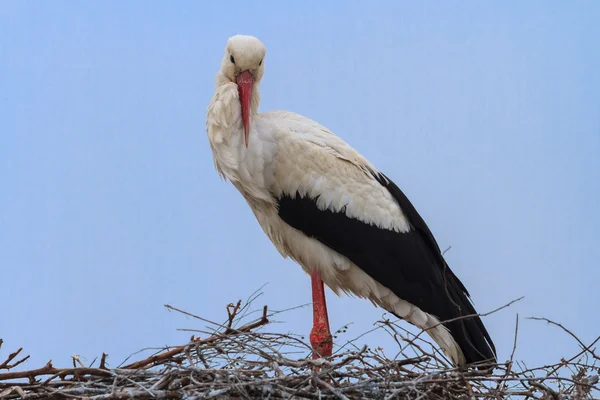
{"x":487,"y":115}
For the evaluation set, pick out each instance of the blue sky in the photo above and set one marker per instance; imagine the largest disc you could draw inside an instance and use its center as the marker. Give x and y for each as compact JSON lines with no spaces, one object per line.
{"x":486,"y":114}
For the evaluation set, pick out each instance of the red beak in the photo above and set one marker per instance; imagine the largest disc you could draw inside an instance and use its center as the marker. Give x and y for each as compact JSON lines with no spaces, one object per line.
{"x":245,"y":82}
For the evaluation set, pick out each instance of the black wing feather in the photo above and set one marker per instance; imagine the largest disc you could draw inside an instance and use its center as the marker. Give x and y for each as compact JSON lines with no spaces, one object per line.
{"x":410,"y":264}
{"x":478,"y":342}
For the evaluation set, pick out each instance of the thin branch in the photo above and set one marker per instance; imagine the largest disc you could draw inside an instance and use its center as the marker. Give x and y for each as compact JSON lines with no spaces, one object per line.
{"x":179,"y":349}
{"x":249,"y":363}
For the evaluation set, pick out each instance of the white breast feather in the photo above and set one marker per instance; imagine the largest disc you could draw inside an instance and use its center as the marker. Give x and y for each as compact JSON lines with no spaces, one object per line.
{"x":250,"y":169}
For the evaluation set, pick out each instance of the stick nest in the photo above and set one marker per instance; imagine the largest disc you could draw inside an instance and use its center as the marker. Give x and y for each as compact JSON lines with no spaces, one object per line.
{"x":239,"y":359}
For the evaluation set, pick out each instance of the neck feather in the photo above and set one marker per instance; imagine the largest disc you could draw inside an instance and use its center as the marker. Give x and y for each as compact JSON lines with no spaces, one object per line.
{"x":221,"y":80}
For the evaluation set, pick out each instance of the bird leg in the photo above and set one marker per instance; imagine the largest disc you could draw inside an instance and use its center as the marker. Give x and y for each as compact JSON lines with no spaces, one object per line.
{"x":320,"y":335}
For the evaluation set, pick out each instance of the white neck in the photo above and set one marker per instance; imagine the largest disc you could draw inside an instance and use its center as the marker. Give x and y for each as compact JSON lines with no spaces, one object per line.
{"x":244,"y":167}
{"x":221,"y":80}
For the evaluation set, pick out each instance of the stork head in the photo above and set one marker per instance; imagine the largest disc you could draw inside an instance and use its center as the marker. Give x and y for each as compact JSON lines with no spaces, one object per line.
{"x":243,"y":63}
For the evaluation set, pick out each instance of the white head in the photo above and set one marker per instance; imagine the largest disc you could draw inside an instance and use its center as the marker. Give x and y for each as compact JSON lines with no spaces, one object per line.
{"x":243,"y":63}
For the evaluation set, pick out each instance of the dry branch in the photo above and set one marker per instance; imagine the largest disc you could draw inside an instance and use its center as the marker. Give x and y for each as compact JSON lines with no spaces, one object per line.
{"x":248,"y":363}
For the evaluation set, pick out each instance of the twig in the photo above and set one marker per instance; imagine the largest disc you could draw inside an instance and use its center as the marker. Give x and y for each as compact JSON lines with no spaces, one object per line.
{"x":6,"y":364}
{"x":48,"y":369}
{"x":246,"y":363}
{"x":583,"y":346}
{"x":103,"y":361}
{"x":179,"y":349}
{"x":546,"y":389}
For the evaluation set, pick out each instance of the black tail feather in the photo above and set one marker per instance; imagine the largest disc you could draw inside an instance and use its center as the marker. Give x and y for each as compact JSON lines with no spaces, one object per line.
{"x":468,"y":329}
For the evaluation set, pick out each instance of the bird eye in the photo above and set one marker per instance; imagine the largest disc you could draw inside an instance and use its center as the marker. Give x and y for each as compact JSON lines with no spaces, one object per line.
{"x":232,"y":59}
{"x":260,"y":63}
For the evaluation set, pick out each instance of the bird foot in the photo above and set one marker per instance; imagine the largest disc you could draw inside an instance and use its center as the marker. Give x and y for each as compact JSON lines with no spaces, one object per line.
{"x":321,"y":341}
{"x":320,"y":335}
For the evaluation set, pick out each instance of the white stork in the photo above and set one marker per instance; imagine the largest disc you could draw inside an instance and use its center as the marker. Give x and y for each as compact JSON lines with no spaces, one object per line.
{"x":328,"y":208}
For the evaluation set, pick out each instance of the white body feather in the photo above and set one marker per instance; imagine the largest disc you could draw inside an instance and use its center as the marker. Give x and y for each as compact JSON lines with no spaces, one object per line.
{"x":288,"y":153}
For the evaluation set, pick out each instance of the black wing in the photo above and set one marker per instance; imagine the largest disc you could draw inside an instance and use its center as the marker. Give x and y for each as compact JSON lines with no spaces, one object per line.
{"x":410,"y":264}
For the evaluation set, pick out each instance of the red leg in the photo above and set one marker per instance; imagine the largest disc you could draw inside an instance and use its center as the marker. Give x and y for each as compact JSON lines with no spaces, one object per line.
{"x":320,"y":335}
